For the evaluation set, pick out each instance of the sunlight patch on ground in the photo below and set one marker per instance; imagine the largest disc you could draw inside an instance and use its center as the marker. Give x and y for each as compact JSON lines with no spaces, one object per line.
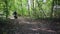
{"x":50,"y":30}
{"x":34,"y":29}
{"x":11,"y":17}
{"x":43,"y":29}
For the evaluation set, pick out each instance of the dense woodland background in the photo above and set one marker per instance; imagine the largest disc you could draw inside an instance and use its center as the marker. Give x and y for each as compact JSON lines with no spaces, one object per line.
{"x":32,"y":8}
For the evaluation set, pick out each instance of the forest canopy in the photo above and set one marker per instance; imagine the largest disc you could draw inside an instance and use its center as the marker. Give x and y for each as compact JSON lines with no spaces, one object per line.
{"x":31,"y":8}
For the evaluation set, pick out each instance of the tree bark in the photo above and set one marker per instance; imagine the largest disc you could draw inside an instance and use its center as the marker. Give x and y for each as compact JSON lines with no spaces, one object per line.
{"x":52,"y":9}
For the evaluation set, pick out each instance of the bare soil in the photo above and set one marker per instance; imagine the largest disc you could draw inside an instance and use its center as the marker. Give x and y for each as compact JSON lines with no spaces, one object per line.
{"x":24,"y":25}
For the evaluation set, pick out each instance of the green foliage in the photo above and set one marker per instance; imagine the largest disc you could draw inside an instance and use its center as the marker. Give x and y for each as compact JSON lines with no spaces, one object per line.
{"x":31,"y":8}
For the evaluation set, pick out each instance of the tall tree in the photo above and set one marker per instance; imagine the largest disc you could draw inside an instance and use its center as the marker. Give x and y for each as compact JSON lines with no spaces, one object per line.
{"x":52,"y":9}
{"x":6,"y":8}
{"x":28,"y":6}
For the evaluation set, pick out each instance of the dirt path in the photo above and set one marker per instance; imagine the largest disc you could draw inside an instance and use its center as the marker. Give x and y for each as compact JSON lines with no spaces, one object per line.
{"x":24,"y":25}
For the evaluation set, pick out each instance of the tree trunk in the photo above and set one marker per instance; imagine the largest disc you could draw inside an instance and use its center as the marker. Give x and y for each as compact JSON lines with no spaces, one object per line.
{"x":6,"y":9}
{"x":28,"y":1}
{"x":52,"y":9}
{"x":21,"y":8}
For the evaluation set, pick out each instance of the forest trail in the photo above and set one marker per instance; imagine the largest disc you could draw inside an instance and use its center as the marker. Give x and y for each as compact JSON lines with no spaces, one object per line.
{"x":24,"y":25}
